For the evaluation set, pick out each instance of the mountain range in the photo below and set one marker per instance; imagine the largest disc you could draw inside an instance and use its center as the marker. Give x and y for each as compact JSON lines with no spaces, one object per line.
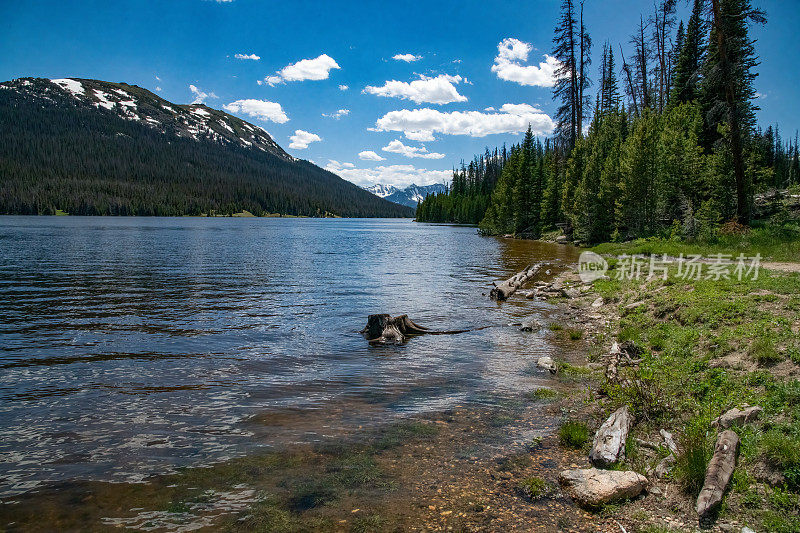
{"x":92,"y":147}
{"x":409,"y":196}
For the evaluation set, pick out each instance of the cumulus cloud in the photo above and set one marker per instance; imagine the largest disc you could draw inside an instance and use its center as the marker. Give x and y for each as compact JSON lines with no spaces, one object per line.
{"x":200,"y":96}
{"x":158,"y":89}
{"x":421,"y":124}
{"x":438,"y":90}
{"x":511,"y":53}
{"x":318,"y":68}
{"x":397,"y":175}
{"x":301,"y":139}
{"x":252,"y":57}
{"x":408,"y":58}
{"x":338,"y":114}
{"x":260,"y":109}
{"x":369,"y":155}
{"x":397,"y":147}
{"x":343,"y":87}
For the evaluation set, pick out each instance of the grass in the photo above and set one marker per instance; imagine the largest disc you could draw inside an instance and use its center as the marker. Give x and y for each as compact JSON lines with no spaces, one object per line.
{"x":763,"y":352}
{"x":541,"y":394}
{"x":700,"y":340}
{"x":573,"y":434}
{"x":773,"y":243}
{"x":574,"y":334}
{"x":536,"y":488}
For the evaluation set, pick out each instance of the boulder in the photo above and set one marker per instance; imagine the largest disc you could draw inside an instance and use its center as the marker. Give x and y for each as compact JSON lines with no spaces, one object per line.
{"x":562,"y":239}
{"x":718,"y":475}
{"x":591,"y":487}
{"x":737,"y":417}
{"x":598,"y":303}
{"x":547,"y":363}
{"x":570,"y":293}
{"x":608,"y":446}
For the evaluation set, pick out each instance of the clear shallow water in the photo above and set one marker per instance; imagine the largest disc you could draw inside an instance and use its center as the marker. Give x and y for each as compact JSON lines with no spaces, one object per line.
{"x":132,"y":345}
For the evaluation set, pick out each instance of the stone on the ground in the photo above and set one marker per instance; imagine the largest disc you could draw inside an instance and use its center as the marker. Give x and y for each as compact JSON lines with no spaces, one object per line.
{"x":736,"y":417}
{"x":547,"y":363}
{"x":718,"y":475}
{"x":664,"y":466}
{"x":598,"y":303}
{"x":669,"y":441}
{"x":608,"y":446}
{"x":571,"y":293}
{"x":533,"y":325}
{"x":592,"y":487}
{"x":561,"y":239}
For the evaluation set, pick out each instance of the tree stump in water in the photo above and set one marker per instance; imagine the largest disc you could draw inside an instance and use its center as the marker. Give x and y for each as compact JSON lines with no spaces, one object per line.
{"x":386,"y":328}
{"x":510,"y":286}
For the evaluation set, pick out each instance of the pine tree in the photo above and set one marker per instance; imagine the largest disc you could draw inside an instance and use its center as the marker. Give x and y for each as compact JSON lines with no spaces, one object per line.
{"x":566,"y":50}
{"x":690,"y":59}
{"x":728,"y":88}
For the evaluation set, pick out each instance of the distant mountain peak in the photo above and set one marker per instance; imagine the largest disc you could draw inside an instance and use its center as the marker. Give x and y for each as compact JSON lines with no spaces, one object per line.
{"x":410,"y":196}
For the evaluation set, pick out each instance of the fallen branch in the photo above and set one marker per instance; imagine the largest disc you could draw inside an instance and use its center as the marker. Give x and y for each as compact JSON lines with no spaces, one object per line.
{"x":510,"y":286}
{"x":609,"y":441}
{"x":718,"y":475}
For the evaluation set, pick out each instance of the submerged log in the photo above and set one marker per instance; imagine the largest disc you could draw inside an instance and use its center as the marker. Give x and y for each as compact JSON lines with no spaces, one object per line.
{"x":718,"y":475}
{"x":510,"y":286}
{"x":386,"y":328}
{"x":609,"y":441}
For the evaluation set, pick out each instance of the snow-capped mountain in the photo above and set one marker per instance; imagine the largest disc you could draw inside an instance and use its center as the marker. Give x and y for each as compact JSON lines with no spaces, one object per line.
{"x":92,"y":147}
{"x":193,"y":121}
{"x":410,"y":196}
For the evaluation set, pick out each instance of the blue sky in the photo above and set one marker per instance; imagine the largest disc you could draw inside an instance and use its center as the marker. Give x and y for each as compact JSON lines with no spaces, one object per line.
{"x":420,"y":114}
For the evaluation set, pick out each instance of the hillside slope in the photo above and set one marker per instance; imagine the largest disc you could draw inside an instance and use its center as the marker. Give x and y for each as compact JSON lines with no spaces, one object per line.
{"x":90,"y":147}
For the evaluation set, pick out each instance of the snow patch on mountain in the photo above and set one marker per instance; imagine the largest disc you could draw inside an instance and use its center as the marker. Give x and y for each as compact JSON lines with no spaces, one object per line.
{"x":410,"y":196}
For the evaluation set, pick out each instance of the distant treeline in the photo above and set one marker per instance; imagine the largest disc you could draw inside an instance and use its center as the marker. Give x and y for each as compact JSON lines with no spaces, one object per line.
{"x":86,"y":161}
{"x":676,"y":150}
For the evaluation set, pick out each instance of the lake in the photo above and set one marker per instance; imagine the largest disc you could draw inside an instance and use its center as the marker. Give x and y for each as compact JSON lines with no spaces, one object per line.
{"x":131,"y":346}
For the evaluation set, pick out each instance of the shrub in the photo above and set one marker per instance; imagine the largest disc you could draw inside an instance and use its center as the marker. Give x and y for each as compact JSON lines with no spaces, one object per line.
{"x":573,"y":434}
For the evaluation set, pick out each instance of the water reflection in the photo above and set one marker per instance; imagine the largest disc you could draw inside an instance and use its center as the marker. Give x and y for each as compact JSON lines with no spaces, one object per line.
{"x":129,"y":346}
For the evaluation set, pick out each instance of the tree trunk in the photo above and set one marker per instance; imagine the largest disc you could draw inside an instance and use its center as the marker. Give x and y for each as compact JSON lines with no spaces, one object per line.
{"x":718,"y":475}
{"x":510,"y":286}
{"x":609,"y":441}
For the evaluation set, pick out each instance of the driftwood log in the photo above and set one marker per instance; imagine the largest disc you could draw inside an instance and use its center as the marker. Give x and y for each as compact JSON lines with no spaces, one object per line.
{"x":608,"y":446}
{"x":386,"y":328}
{"x":510,"y":286}
{"x":718,"y":475}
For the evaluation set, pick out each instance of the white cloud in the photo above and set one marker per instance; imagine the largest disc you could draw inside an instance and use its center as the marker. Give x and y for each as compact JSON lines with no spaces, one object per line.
{"x":397,"y":147}
{"x":158,"y":79}
{"x":318,"y":68}
{"x":421,"y":124}
{"x":398,"y":175}
{"x":301,"y":139}
{"x":200,"y":96}
{"x":260,"y":109}
{"x":507,"y":65}
{"x":158,"y":89}
{"x":369,"y":155}
{"x":343,"y":87}
{"x":438,"y":90}
{"x":408,"y":58}
{"x":252,"y":57}
{"x":337,"y":115}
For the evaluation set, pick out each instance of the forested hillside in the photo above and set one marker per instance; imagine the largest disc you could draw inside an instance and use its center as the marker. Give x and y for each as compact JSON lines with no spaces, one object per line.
{"x":672,"y":147}
{"x":88,"y":147}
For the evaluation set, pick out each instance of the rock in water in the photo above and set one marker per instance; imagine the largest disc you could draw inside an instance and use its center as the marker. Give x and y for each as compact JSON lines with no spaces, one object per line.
{"x":737,"y":417}
{"x":591,"y":487}
{"x":609,"y":441}
{"x":548,"y":364}
{"x":718,"y":475}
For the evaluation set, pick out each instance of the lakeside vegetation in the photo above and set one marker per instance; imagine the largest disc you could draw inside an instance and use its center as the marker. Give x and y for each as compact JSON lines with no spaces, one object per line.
{"x":672,"y":149}
{"x":707,"y":346}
